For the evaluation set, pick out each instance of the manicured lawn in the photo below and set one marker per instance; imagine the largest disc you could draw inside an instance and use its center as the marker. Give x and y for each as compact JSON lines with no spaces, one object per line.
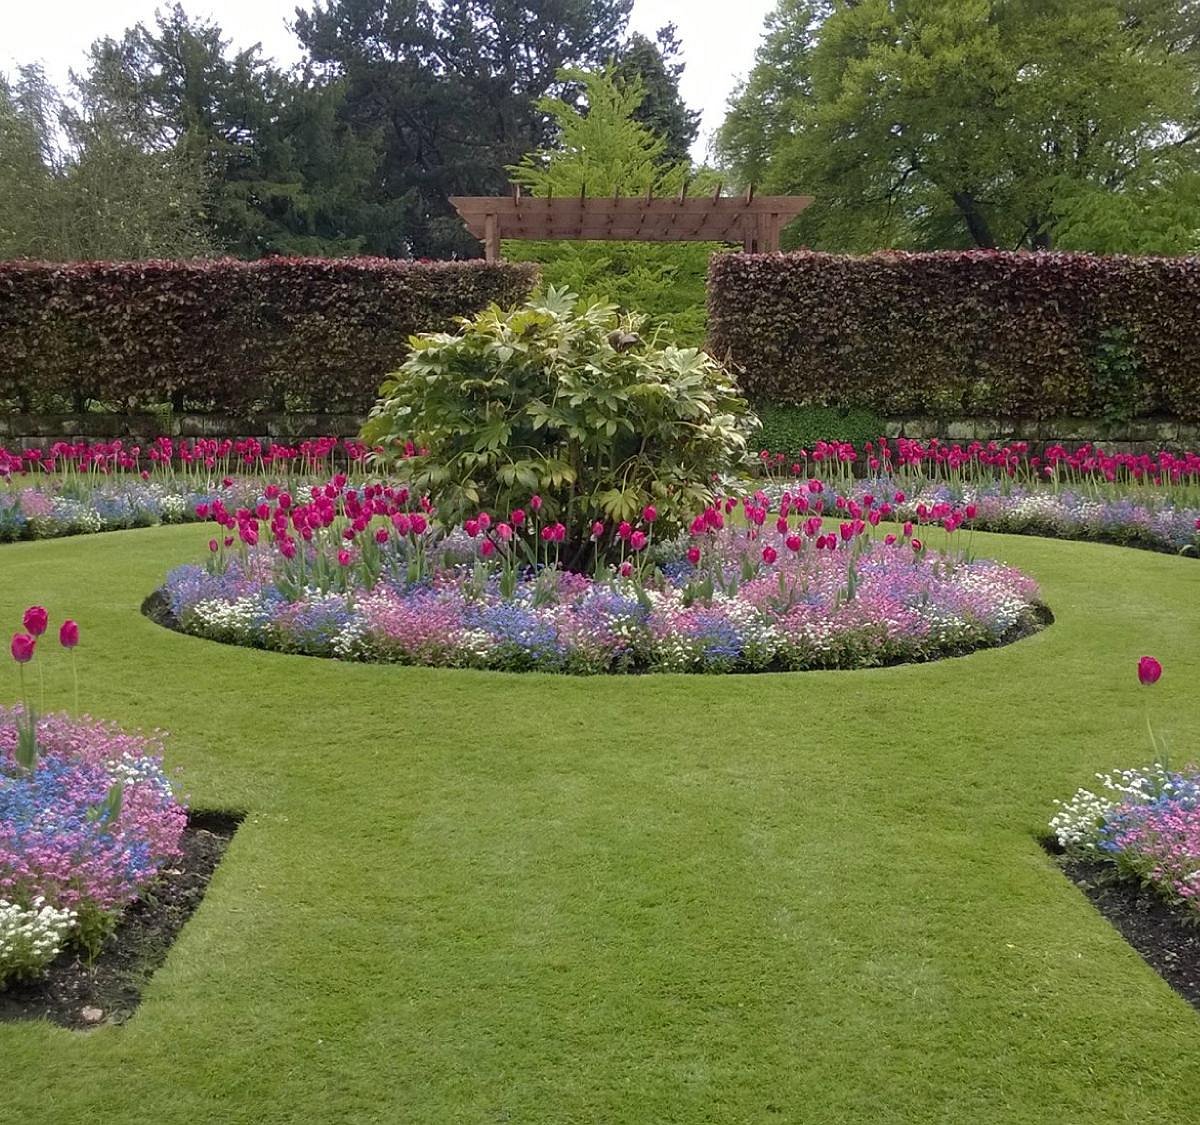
{"x":472,"y":897}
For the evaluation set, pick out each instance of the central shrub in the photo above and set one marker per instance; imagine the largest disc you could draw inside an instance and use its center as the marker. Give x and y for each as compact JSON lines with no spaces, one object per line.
{"x":566,"y":401}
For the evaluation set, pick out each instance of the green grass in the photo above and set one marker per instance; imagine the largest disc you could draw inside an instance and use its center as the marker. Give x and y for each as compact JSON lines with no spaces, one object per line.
{"x":470,"y":897}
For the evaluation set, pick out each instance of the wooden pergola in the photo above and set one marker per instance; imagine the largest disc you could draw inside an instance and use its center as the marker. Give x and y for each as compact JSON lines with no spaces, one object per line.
{"x":754,"y":221}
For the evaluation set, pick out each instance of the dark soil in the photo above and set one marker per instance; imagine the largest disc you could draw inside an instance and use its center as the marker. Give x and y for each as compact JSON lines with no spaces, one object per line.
{"x":1165,"y":937}
{"x":113,"y":982}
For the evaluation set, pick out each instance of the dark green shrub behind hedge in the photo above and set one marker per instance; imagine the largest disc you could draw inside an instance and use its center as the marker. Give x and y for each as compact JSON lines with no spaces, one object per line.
{"x":975,"y":333}
{"x":311,"y":333}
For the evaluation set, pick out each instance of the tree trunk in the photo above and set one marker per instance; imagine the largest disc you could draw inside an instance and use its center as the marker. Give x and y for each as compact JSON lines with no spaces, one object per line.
{"x":977,"y":224}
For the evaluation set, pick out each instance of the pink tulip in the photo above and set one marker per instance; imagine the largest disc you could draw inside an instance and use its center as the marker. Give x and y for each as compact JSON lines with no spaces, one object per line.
{"x":381,"y":536}
{"x":693,"y":555}
{"x":1149,"y":670}
{"x":68,"y":634}
{"x":597,"y":529}
{"x":626,"y":569}
{"x":625,"y":529}
{"x":213,"y":546}
{"x":917,"y":546}
{"x":487,"y":548}
{"x":343,"y":558}
{"x":637,"y":540}
{"x":504,"y":531}
{"x":793,"y":543}
{"x":419,"y":524}
{"x":517,"y":516}
{"x":769,"y":555}
{"x":35,"y":620}
{"x":535,"y":502}
{"x":649,"y":513}
{"x":23,"y":647}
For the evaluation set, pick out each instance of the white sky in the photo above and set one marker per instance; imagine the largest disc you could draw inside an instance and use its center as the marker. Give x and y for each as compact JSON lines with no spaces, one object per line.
{"x":718,"y":47}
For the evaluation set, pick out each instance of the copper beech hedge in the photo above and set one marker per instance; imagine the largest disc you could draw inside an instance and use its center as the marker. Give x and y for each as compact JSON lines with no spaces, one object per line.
{"x":305,"y":333}
{"x":976,"y":333}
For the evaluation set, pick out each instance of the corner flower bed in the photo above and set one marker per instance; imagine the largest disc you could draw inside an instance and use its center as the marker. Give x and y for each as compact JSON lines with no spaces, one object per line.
{"x":83,"y":831}
{"x":362,"y":573}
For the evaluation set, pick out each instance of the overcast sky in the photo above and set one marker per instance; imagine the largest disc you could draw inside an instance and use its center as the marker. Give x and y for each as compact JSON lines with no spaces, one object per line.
{"x":718,"y":45}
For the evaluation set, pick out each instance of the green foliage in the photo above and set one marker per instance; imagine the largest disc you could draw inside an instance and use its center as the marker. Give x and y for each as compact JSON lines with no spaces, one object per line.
{"x":449,"y":92}
{"x":655,"y":67}
{"x":950,"y":123}
{"x":975,"y":333}
{"x":1116,"y":369}
{"x":106,"y":194}
{"x":283,"y":174}
{"x":566,"y":400}
{"x":789,"y":429}
{"x":665,"y":281}
{"x":602,"y":148}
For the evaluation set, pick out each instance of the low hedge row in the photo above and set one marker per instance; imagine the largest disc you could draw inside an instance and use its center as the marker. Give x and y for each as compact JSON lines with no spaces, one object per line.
{"x":972,"y":333}
{"x":308,"y":334}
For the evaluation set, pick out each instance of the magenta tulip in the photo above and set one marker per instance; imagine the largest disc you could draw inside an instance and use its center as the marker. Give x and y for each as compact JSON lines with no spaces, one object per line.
{"x":637,"y":540}
{"x":35,"y":620}
{"x":649,"y":513}
{"x":1149,"y":670}
{"x":693,"y":555}
{"x":68,"y":634}
{"x":23,"y":647}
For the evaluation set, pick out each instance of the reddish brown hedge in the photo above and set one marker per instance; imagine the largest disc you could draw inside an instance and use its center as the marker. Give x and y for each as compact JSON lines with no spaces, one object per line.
{"x":976,"y":333}
{"x":308,"y":333}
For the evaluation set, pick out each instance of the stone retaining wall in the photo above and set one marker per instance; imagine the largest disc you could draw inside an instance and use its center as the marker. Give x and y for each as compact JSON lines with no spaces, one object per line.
{"x":1144,"y":435}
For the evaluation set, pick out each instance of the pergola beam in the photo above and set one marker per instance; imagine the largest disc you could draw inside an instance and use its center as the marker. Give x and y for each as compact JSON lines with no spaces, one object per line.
{"x":755,"y":221}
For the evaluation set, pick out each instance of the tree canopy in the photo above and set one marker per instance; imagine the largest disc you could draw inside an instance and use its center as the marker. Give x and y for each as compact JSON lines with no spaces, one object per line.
{"x":942,"y":123}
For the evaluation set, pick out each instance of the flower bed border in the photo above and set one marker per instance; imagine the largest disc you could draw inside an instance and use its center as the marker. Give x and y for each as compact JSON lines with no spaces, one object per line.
{"x":1160,"y":933}
{"x":154,"y":607}
{"x":136,"y":949}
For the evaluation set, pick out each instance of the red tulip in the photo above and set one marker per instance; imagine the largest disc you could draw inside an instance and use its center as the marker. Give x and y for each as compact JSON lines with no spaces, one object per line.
{"x":1149,"y":670}
{"x":343,"y":558}
{"x":769,"y":555}
{"x":35,"y":620}
{"x":68,"y":634}
{"x":693,"y":555}
{"x":23,"y":647}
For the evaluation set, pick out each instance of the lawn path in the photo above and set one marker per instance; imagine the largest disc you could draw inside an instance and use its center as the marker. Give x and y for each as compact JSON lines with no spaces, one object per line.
{"x":476,"y":897}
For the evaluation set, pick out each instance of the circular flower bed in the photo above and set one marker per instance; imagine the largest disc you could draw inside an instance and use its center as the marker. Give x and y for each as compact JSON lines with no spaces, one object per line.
{"x":356,"y":574}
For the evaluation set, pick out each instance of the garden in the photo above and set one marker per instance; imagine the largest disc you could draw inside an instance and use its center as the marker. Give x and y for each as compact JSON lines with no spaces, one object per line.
{"x":559,"y":752}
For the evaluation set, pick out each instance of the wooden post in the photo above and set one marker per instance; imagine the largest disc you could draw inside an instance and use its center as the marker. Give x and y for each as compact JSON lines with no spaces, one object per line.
{"x":491,"y":237}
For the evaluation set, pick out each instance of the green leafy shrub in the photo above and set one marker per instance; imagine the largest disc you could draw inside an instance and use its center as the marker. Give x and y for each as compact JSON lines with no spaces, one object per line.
{"x":665,"y":282}
{"x":1116,"y":370}
{"x":979,"y":332}
{"x":788,"y":429}
{"x":568,"y":401}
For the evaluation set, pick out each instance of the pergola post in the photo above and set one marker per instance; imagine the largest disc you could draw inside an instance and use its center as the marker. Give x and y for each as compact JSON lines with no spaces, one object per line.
{"x":491,"y":237}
